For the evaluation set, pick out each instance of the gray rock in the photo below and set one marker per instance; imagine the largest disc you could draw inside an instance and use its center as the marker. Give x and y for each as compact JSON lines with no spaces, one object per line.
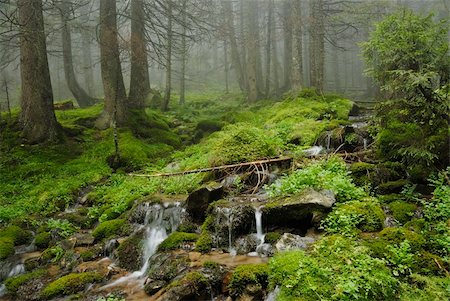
{"x":154,"y":286}
{"x":83,"y":239}
{"x":199,"y":200}
{"x":292,"y":242}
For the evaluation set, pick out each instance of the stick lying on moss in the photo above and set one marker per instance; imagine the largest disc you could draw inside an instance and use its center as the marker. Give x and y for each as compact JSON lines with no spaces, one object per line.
{"x":179,"y":173}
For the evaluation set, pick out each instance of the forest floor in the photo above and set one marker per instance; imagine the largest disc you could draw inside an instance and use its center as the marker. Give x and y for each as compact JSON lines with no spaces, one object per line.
{"x":69,"y":216}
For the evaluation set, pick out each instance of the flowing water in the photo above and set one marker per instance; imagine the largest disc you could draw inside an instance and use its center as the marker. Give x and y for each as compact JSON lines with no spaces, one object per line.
{"x":259,"y":232}
{"x":160,"y":220}
{"x":229,"y":216}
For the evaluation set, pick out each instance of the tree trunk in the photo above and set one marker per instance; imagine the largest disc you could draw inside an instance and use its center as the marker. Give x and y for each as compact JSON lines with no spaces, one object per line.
{"x":268,"y":46}
{"x":183,"y":56}
{"x":112,"y":78}
{"x":139,"y":77}
{"x":275,"y":63}
{"x":165,"y":105}
{"x":235,"y":58}
{"x":252,"y":44}
{"x":82,"y":98}
{"x":287,"y":34}
{"x":225,"y":61}
{"x":88,"y":65}
{"x":317,"y":48}
{"x":37,"y":117}
{"x":243,"y":44}
{"x":298,"y":82}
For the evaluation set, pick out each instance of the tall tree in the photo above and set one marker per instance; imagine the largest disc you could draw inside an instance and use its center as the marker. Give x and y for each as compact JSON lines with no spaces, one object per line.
{"x":317,"y":44}
{"x":115,"y":109}
{"x":287,"y":36}
{"x":82,"y":98}
{"x":298,"y":32}
{"x":268,"y":46}
{"x":169,"y":14}
{"x":37,"y":117}
{"x":139,"y":77}
{"x":252,"y":46}
{"x":183,"y":53}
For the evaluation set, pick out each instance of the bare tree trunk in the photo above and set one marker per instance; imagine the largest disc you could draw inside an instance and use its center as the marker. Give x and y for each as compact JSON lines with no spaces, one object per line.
{"x":165,"y":105}
{"x":37,"y":117}
{"x":225,"y":61}
{"x":139,"y":77}
{"x":183,"y":56}
{"x":82,"y":98}
{"x":8,"y":101}
{"x":299,"y":44}
{"x":252,"y":44}
{"x":317,"y":47}
{"x":275,"y":64}
{"x":87,"y":63}
{"x":243,"y":44}
{"x":235,"y":58}
{"x":268,"y":46}
{"x":112,"y":78}
{"x":287,"y":29}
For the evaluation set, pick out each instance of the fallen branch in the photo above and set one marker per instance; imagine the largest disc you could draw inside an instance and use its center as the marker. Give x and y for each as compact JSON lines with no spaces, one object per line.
{"x":182,"y":173}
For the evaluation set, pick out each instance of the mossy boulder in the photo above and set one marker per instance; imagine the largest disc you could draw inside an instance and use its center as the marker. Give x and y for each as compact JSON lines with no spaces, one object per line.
{"x":129,"y":252}
{"x":176,"y":240}
{"x":42,"y":240}
{"x":392,"y":186}
{"x":297,"y":211}
{"x":70,"y":284}
{"x":246,"y":275}
{"x":272,"y":237}
{"x":402,"y":211}
{"x":17,"y":234}
{"x":204,"y":243}
{"x":6,"y":247}
{"x":398,"y":235}
{"x":109,"y":228}
{"x":14,"y":283}
{"x":193,"y":286}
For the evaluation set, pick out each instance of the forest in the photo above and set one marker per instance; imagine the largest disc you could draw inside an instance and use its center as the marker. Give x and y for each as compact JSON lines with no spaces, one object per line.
{"x":248,"y":150}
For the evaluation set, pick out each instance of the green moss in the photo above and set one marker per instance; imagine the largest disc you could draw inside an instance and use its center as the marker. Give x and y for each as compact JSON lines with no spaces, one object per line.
{"x":192,"y":279}
{"x":42,"y":240}
{"x":204,"y":243}
{"x":109,"y":228}
{"x":402,"y":211}
{"x":88,"y":255}
{"x":70,"y":284}
{"x":17,"y":234}
{"x":392,"y":186}
{"x":176,"y":239}
{"x":12,"y":284}
{"x":398,"y":235}
{"x":361,"y":167}
{"x":425,"y":288}
{"x":129,"y":252}
{"x":210,"y":265}
{"x":188,"y":227}
{"x":243,"y":275}
{"x":272,"y":237}
{"x":209,"y":126}
{"x":6,"y":247}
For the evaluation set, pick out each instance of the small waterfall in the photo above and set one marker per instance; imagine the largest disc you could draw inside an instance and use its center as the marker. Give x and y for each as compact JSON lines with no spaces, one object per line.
{"x":328,"y":141}
{"x":17,"y":270}
{"x":365,"y":143}
{"x":259,"y":231}
{"x":272,"y":296}
{"x":159,"y":221}
{"x":2,"y":290}
{"x":313,"y":151}
{"x":229,"y":216}
{"x":109,"y":248}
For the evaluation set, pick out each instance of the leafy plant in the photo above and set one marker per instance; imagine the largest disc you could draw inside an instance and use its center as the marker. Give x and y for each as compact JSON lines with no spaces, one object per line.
{"x":63,"y":226}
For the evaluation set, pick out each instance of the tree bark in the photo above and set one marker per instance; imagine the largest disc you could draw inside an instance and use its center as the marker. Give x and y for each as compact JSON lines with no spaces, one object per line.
{"x":225,"y":61}
{"x":235,"y":58}
{"x":139,"y":77}
{"x":37,"y":117}
{"x":183,"y":56}
{"x":113,"y":86}
{"x":268,"y":46}
{"x":165,"y":104}
{"x":287,"y":34}
{"x":298,"y":82}
{"x":252,"y":44}
{"x":275,"y":63}
{"x":82,"y":98}
{"x":317,"y":47}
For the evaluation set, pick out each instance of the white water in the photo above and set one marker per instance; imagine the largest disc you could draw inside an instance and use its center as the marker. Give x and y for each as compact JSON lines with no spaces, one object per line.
{"x":365,"y":143}
{"x":313,"y":151}
{"x":156,"y":228}
{"x":259,"y":231}
{"x":2,"y":290}
{"x":17,"y":270}
{"x":229,"y":217}
{"x":272,"y":296}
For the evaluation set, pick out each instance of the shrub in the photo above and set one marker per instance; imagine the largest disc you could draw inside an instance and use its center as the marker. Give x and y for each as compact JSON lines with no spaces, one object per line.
{"x":351,"y":217}
{"x":329,"y":174}
{"x":6,"y":247}
{"x":18,"y":235}
{"x":42,"y":240}
{"x":243,"y":275}
{"x":176,"y":239}
{"x":109,"y":228}
{"x":335,"y":269}
{"x":402,"y":211}
{"x":69,"y":284}
{"x":63,"y":226}
{"x":12,"y":284}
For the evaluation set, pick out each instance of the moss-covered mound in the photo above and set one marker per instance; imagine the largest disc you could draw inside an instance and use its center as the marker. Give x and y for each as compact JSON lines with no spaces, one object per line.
{"x":18,"y":235}
{"x":69,"y":284}
{"x":402,"y":211}
{"x":109,"y":228}
{"x":6,"y":247}
{"x":12,"y":284}
{"x":248,"y":274}
{"x":176,"y":239}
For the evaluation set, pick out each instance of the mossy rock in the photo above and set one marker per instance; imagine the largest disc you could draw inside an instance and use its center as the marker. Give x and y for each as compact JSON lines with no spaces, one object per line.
{"x":398,"y":235}
{"x":361,"y":167}
{"x":402,"y":211}
{"x":209,"y":126}
{"x":429,"y":264}
{"x":164,"y":267}
{"x":204,"y":243}
{"x":248,"y":274}
{"x":272,"y":237}
{"x":42,"y":240}
{"x":70,"y":284}
{"x":129,"y":252}
{"x":193,"y":286}
{"x":176,"y":239}
{"x":109,"y":228}
{"x":392,"y":186}
{"x":188,"y":227}
{"x":17,"y":234}
{"x":12,"y":284}
{"x":6,"y":247}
